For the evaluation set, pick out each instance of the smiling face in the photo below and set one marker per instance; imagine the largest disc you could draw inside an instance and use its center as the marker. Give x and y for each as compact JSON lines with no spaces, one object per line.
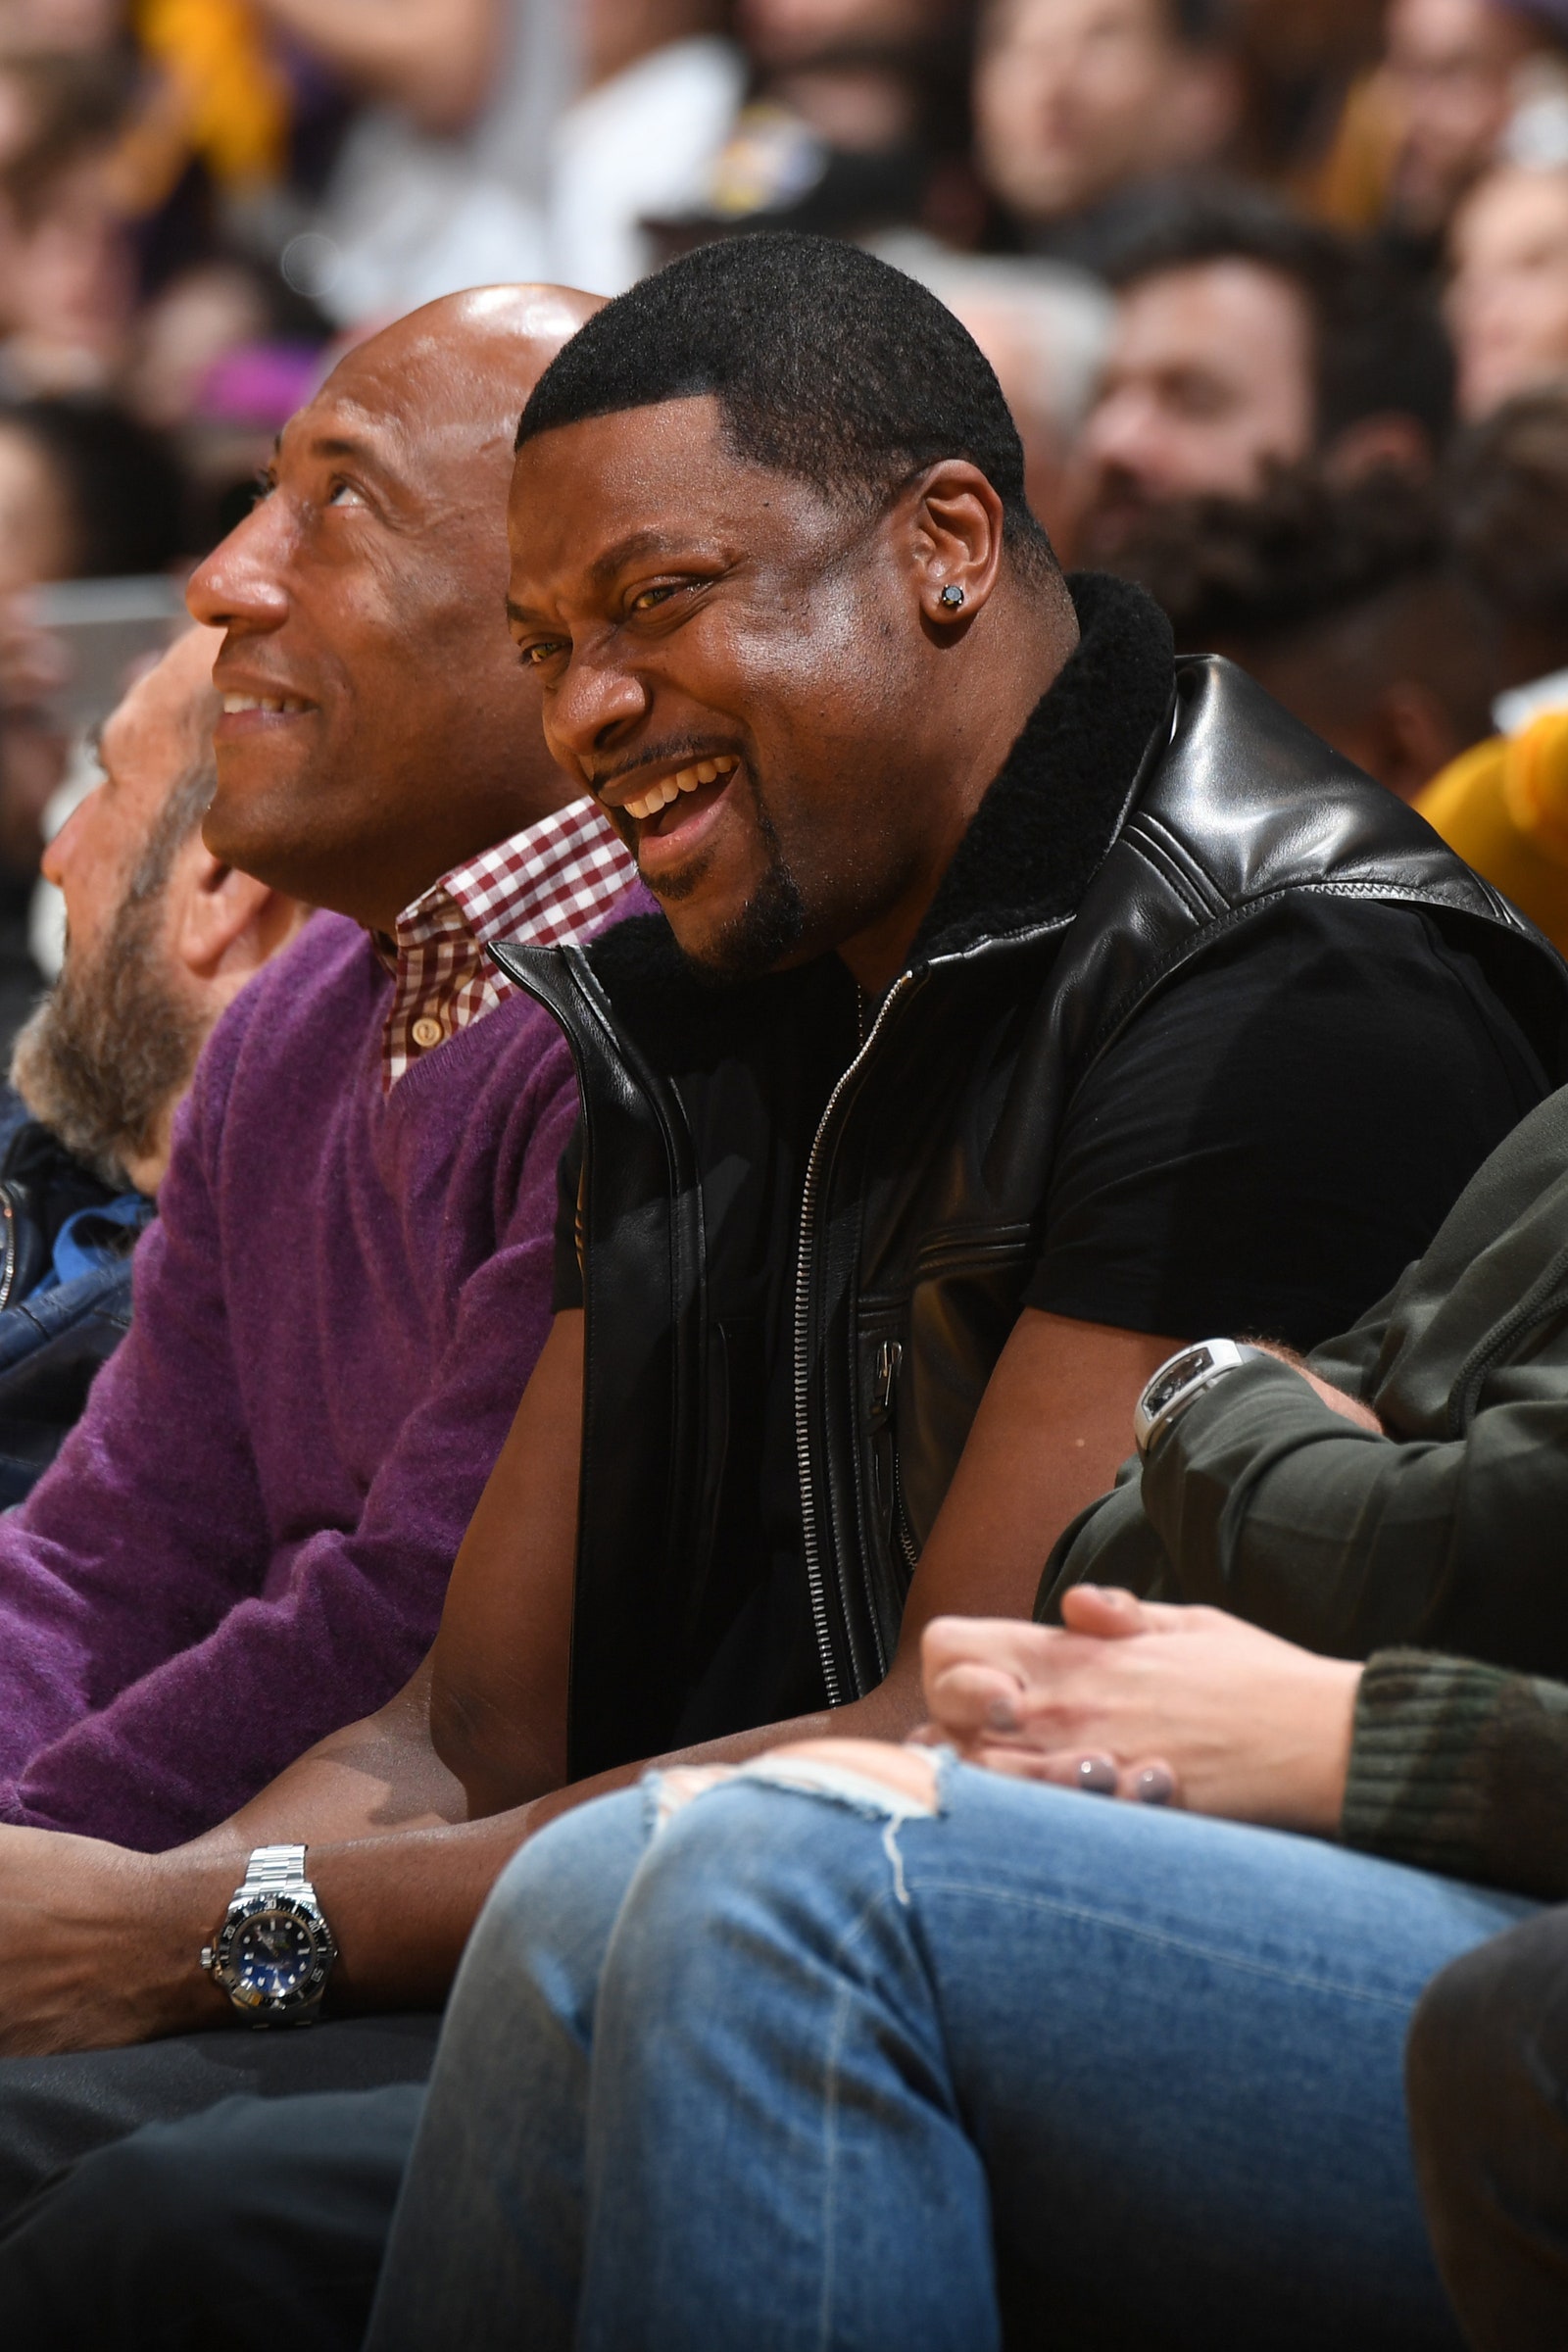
{"x":376,"y":730}
{"x":754,"y":679}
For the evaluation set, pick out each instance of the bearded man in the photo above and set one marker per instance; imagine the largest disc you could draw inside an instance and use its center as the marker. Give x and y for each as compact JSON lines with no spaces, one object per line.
{"x":162,"y":938}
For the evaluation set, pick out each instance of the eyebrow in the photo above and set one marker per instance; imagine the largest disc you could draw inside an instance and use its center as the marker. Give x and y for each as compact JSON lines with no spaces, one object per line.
{"x":602,"y":569}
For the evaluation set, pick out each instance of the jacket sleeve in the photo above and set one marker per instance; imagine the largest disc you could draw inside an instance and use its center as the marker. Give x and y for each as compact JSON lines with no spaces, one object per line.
{"x":1461,"y":1768}
{"x":147,"y":1526}
{"x":1266,"y":1501}
{"x":204,"y":1729}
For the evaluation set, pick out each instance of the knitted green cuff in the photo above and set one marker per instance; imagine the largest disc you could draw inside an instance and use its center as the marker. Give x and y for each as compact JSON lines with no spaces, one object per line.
{"x":1417,"y":1791}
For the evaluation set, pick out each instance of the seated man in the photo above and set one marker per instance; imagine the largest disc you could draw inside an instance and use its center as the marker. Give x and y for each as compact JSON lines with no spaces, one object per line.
{"x":161,"y":937}
{"x":1023,"y":999}
{"x":246,"y":1541}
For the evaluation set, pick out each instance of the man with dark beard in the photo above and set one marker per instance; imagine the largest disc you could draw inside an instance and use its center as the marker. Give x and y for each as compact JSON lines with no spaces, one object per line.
{"x":162,"y":938}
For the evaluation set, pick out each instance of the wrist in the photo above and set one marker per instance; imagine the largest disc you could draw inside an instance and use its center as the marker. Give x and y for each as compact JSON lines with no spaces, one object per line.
{"x":1330,"y":1690}
{"x":183,"y":1900}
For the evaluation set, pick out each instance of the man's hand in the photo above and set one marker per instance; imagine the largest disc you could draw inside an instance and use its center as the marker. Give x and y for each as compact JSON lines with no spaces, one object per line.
{"x":1137,"y":1699}
{"x":92,"y":1952}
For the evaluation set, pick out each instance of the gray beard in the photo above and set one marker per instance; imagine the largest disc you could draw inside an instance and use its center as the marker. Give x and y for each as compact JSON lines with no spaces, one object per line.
{"x":113,"y":1045}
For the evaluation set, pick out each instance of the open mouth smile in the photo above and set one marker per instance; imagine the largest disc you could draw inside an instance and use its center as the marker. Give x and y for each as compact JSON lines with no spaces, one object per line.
{"x":675,"y":814}
{"x":668,"y":789}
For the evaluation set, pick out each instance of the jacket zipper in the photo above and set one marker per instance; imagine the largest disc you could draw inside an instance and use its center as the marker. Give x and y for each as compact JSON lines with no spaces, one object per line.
{"x":831,"y":1679}
{"x":889,"y":1358}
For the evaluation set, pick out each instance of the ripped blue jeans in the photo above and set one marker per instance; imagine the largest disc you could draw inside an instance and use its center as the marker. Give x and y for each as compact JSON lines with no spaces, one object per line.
{"x":784,"y":2066}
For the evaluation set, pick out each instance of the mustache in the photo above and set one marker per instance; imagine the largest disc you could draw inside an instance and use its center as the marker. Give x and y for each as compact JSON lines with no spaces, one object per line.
{"x":676,"y":750}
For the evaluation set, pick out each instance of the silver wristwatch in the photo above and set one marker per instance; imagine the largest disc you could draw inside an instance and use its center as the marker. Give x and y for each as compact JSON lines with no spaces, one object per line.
{"x":1181,"y":1379}
{"x":274,"y":1951}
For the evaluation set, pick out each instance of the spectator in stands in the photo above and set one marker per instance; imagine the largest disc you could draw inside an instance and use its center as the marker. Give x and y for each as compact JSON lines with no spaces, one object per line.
{"x":347,"y":1282}
{"x":1507,"y":298}
{"x":1081,"y":103}
{"x":856,"y":122}
{"x":85,"y":493}
{"x":1248,"y":340}
{"x":161,"y":937}
{"x":952,"y":2028}
{"x":738,"y":641}
{"x":67,"y":274}
{"x":1435,"y":115}
{"x":1045,"y":329}
{"x":1504,"y":804}
{"x":1346,"y":604}
{"x":558,"y":128}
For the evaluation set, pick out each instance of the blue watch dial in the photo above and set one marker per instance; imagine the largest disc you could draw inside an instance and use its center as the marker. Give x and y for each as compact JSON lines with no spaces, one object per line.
{"x":272,"y":1955}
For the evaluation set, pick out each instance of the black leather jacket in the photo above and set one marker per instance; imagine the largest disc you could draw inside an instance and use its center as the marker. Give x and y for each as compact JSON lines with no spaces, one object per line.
{"x":920,"y":1187}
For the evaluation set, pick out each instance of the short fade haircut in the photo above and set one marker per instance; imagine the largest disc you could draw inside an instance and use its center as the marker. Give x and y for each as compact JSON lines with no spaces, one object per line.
{"x":1379,"y":344}
{"x":827,"y":363}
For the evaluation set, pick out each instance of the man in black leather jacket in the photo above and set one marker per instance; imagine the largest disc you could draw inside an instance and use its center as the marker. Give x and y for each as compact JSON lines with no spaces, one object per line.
{"x":1022,"y":1002}
{"x":105,"y":1060}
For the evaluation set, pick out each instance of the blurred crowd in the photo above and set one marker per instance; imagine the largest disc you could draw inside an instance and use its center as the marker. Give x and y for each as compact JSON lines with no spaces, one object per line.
{"x":1277,"y":289}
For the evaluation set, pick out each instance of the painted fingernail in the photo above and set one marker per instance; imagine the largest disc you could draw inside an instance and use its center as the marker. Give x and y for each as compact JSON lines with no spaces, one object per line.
{"x":1154,"y":1786}
{"x":1001,"y":1717}
{"x":1095,"y":1775}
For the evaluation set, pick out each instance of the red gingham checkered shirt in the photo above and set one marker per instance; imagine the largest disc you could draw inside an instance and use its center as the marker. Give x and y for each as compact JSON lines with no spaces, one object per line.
{"x":545,"y":884}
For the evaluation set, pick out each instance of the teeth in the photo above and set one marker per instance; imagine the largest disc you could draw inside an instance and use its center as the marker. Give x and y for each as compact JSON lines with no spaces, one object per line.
{"x":260,"y":702}
{"x":670,"y":788}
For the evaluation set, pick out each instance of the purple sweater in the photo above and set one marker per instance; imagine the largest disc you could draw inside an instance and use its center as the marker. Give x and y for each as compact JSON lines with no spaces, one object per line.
{"x":245,"y":1542}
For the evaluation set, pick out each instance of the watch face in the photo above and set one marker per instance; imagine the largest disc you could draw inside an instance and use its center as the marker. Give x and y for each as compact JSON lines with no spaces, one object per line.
{"x":1169,"y":1384}
{"x":275,"y":1954}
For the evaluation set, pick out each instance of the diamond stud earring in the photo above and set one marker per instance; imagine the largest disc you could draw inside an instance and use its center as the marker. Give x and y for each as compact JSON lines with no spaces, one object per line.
{"x":950,"y":597}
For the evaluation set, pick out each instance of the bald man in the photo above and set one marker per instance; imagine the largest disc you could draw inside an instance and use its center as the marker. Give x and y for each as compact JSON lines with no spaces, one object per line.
{"x":246,"y":1539}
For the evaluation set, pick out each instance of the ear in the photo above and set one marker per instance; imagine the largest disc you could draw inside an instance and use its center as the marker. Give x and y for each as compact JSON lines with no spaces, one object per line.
{"x":225,"y":926}
{"x":955,"y":544}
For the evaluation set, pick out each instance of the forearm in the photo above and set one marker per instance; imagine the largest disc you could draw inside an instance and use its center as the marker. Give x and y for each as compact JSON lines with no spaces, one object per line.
{"x":368,"y":1780}
{"x":401,"y":1891}
{"x":1269,"y":1504}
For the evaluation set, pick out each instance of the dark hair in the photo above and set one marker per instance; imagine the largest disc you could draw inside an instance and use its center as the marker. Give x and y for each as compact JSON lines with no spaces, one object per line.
{"x":1252,"y":572}
{"x":1508,"y":497}
{"x":1203,"y":23}
{"x":123,"y":490}
{"x":827,"y":363}
{"x":1379,"y":343}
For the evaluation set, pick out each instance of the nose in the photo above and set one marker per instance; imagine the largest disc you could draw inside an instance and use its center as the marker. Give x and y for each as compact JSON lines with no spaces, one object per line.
{"x":594,"y":708}
{"x":59,"y":854}
{"x":1121,"y":434}
{"x":240,"y":584}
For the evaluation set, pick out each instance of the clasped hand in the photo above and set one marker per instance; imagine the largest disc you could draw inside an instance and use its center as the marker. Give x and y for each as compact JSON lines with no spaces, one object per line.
{"x":1138,"y":1699}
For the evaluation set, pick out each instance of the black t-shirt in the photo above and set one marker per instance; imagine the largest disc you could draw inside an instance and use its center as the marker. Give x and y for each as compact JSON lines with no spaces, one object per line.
{"x":1264,"y":1149}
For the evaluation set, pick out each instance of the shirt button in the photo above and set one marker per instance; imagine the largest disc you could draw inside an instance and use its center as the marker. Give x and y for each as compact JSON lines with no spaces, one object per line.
{"x":428,"y":1032}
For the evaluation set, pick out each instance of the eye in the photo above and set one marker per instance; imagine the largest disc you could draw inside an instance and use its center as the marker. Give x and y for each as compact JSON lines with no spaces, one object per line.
{"x":646,"y":600}
{"x":263,"y":485}
{"x":541,"y":650}
{"x":344,"y":494}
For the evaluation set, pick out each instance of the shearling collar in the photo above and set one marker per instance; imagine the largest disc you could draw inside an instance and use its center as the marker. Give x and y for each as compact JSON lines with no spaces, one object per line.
{"x":1045,"y":824}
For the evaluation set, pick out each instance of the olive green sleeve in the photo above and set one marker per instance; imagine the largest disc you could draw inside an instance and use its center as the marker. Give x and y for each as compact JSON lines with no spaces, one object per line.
{"x":1461,"y":1768}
